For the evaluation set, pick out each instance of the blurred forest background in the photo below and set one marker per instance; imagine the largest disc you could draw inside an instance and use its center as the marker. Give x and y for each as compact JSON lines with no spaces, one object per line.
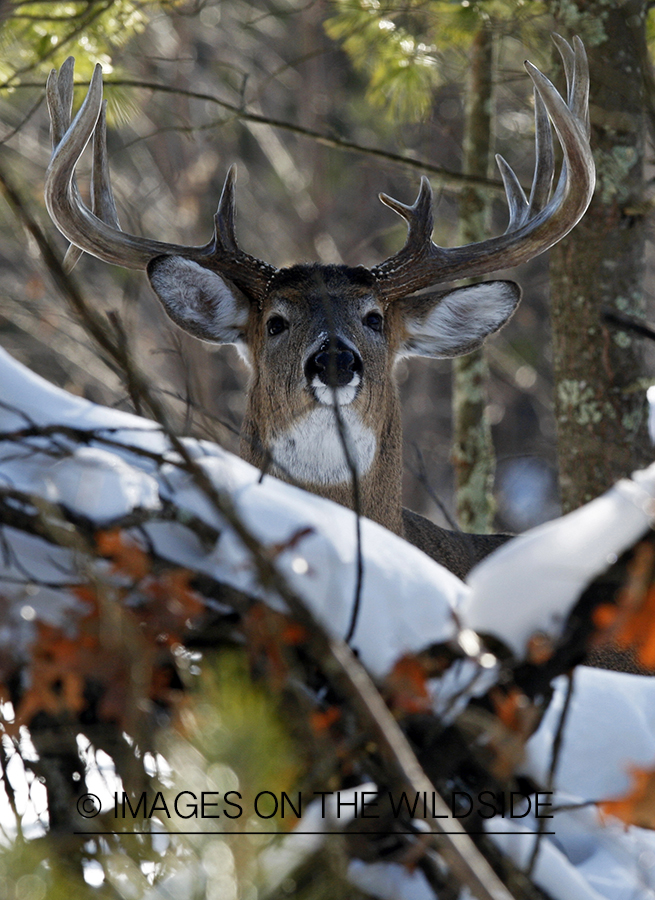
{"x":323,"y":105}
{"x":297,"y":93}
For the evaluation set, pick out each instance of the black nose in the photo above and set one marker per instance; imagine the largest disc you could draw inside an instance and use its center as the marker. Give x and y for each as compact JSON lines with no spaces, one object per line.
{"x":335,"y":365}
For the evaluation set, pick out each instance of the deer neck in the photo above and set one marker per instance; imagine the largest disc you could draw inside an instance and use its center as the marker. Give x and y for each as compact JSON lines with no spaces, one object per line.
{"x":308,"y":452}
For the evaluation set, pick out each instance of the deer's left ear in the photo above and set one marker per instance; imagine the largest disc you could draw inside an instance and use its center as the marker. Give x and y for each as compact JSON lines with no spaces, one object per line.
{"x":457,"y":322}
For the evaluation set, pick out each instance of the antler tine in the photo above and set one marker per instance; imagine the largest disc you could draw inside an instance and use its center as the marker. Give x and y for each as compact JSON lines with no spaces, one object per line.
{"x":567,"y":53}
{"x":520,"y":209}
{"x":399,"y":269}
{"x":576,"y":69}
{"x":224,"y":218}
{"x":71,"y":257}
{"x":252,"y":275}
{"x":66,"y":86}
{"x":98,"y":231}
{"x":580,"y":90}
{"x":102,"y":195}
{"x":517,"y":202}
{"x":418,"y":216}
{"x":59,"y":93}
{"x":544,"y":168}
{"x":535,"y":224}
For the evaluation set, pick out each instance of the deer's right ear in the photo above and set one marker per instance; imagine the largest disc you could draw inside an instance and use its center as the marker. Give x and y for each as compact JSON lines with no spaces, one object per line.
{"x":198,"y":300}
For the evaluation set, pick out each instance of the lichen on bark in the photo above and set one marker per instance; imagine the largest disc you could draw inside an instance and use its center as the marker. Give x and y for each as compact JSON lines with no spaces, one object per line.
{"x":600,"y":408}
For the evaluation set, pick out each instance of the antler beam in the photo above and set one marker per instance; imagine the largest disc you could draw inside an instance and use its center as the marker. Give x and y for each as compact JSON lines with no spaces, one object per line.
{"x":97,"y":230}
{"x":535,"y":224}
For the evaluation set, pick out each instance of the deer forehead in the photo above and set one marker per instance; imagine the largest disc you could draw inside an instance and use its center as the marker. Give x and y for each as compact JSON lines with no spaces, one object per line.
{"x":321,"y":292}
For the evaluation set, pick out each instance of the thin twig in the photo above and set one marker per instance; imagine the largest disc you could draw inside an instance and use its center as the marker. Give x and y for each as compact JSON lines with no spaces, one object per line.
{"x":449,"y":179}
{"x":350,"y":462}
{"x":554,"y":760}
{"x":628,"y":323}
{"x":421,"y":475}
{"x":28,"y":115}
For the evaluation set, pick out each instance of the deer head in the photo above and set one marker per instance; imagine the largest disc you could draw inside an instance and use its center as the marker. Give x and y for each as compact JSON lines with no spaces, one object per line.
{"x":322,"y":341}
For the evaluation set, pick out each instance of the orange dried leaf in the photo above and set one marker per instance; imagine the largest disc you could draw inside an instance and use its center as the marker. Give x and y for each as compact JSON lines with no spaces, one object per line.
{"x":638,"y":805}
{"x":630,"y":622}
{"x":637,"y":629}
{"x":127,"y":556}
{"x":321,"y":722}
{"x":86,"y":593}
{"x":646,"y":649}
{"x":604,"y":616}
{"x":406,"y":686}
{"x":172,"y":589}
{"x":294,"y":634}
{"x":511,"y":708}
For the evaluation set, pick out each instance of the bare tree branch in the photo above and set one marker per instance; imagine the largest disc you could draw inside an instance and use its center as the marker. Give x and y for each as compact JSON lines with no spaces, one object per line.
{"x":449,"y":179}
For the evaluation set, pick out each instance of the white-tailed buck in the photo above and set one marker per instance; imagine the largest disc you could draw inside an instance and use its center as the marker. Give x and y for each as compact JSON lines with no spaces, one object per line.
{"x":322,"y":341}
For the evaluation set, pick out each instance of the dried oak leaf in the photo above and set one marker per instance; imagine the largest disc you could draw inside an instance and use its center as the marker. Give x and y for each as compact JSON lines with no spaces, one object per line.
{"x":65,"y":663}
{"x":125,"y":553}
{"x":269,"y":634}
{"x":165,"y":600}
{"x":59,"y":665}
{"x":405,"y":687}
{"x":638,"y":805}
{"x":630,"y":621}
{"x":322,"y":720}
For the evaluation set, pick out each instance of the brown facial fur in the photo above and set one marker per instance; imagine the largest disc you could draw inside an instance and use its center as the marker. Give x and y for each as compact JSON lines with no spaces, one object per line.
{"x":318,"y":302}
{"x":319,"y":334}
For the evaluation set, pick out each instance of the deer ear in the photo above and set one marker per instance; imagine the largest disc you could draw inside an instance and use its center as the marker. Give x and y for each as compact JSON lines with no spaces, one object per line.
{"x":198,"y":300}
{"x":457,"y":322}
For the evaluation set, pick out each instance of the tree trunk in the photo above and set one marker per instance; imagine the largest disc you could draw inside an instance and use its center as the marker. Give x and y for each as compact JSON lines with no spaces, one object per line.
{"x":473,"y":453}
{"x":600,"y":375}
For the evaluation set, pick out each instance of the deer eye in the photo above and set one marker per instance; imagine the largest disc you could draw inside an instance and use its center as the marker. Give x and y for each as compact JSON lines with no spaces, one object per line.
{"x":276,"y":325}
{"x":373,"y":320}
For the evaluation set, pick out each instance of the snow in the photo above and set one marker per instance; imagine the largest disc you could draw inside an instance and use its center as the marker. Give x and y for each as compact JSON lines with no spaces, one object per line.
{"x":28,"y":398}
{"x":390,"y":881}
{"x":102,"y":465}
{"x":611,"y":712}
{"x":553,"y":871}
{"x":531,"y":583}
{"x":609,"y":732}
{"x":107,"y":468}
{"x":650,"y":394}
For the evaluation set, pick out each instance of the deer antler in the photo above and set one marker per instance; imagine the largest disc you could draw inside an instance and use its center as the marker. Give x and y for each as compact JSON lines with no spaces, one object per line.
{"x":97,"y":230}
{"x":535,"y":224}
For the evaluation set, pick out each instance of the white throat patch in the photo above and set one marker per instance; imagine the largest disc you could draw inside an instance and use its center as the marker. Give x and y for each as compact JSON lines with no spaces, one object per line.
{"x":312,"y":450}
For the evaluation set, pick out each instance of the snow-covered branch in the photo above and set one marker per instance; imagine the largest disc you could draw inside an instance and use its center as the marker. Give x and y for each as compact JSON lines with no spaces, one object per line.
{"x":92,"y":496}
